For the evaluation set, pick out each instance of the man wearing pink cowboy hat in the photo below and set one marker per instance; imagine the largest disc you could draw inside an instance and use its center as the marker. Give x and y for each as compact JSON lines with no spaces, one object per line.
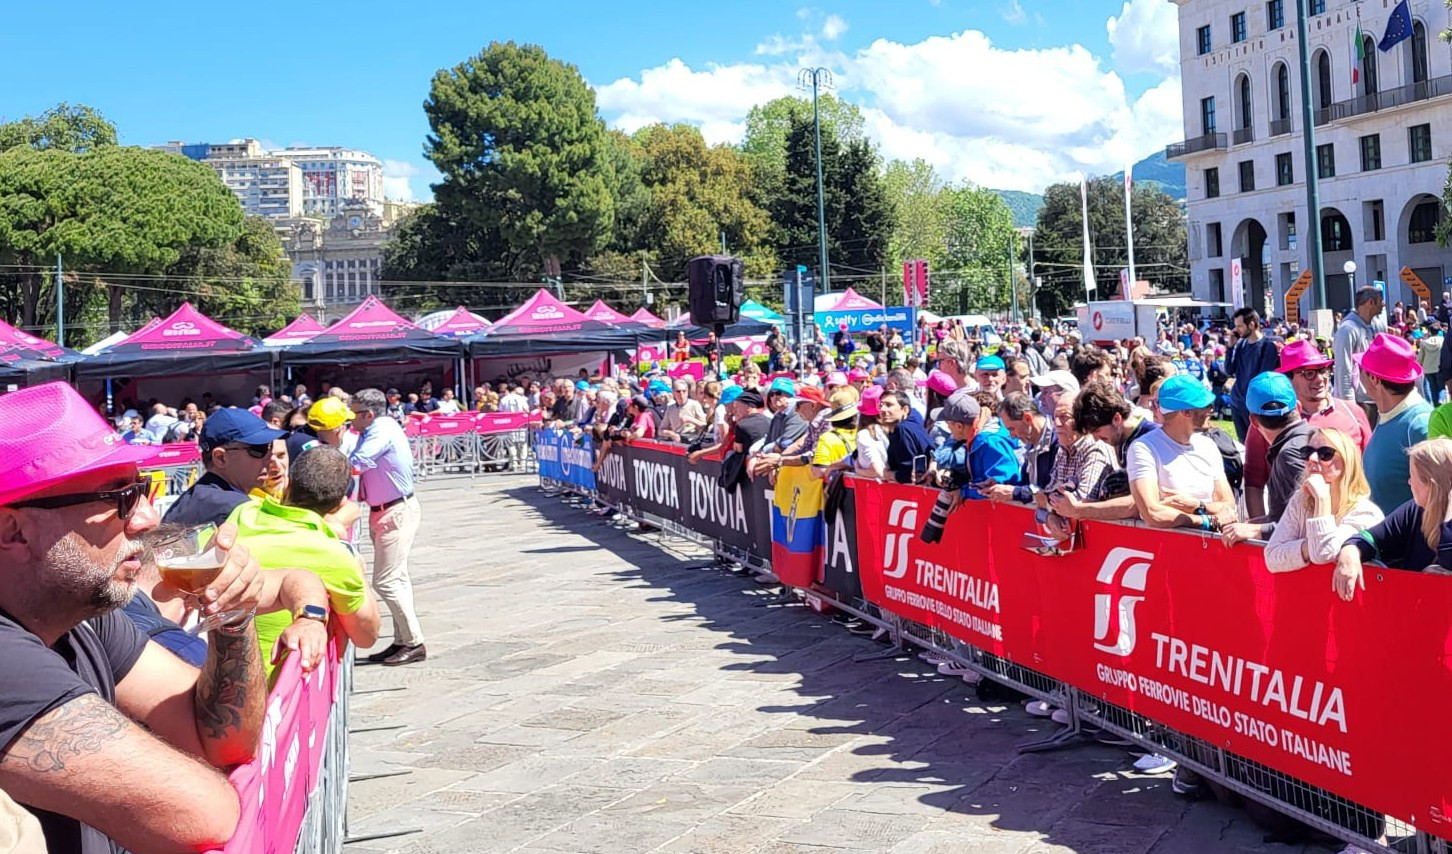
{"x":1390,"y":373}
{"x":1310,"y":374}
{"x":102,"y":728}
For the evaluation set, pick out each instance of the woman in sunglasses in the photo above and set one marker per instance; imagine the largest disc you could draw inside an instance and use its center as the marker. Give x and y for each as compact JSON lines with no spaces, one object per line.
{"x":1417,"y":534}
{"x":1334,"y":504}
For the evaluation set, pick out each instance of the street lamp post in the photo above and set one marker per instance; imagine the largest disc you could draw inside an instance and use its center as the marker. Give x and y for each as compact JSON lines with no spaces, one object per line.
{"x":1350,"y":269}
{"x":1313,"y":178}
{"x":818,"y":78}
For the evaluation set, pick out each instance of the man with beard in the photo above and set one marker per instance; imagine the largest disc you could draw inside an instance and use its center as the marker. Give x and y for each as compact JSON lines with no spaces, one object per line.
{"x":101,"y":728}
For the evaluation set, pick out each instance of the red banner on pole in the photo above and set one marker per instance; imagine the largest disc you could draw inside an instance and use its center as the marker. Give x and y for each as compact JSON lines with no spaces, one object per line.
{"x":1176,"y":627}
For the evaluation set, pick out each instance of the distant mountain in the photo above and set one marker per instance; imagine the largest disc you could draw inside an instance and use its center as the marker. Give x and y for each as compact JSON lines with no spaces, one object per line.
{"x":1154,"y":169}
{"x":1025,"y":206}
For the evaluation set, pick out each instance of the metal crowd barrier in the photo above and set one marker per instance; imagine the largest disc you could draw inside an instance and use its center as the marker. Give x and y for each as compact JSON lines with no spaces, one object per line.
{"x":1313,"y":806}
{"x":325,"y":824}
{"x":471,"y":443}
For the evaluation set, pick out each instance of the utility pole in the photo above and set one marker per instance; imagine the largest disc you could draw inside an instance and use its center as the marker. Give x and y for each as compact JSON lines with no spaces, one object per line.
{"x":1312,"y":226}
{"x":817,"y":78}
{"x":60,"y":302}
{"x":1012,"y":283}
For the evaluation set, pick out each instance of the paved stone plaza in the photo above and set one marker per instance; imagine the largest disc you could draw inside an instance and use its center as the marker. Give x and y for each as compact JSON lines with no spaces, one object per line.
{"x":592,"y":691}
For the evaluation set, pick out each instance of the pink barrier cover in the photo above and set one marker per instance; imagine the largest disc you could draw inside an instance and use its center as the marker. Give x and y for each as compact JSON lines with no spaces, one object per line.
{"x":274,"y":787}
{"x":469,"y":422}
{"x":506,"y":422}
{"x":176,"y":454}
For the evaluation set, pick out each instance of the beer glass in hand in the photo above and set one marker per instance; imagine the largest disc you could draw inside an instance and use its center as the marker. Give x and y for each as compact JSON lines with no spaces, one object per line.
{"x":187,"y":561}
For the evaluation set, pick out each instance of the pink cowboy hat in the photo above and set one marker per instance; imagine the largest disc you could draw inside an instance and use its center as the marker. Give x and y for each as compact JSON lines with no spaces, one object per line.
{"x":1302,"y":354}
{"x":53,"y":435}
{"x":1390,"y":358}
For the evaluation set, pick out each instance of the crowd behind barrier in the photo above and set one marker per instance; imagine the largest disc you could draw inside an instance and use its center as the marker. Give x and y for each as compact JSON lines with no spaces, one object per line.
{"x":1266,"y":684}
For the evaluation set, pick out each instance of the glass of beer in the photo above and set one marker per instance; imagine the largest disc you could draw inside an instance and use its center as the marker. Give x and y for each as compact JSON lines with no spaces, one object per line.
{"x":187,"y":561}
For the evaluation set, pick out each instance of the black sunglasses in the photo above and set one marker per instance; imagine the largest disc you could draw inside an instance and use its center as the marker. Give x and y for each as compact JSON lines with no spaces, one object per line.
{"x":1324,"y":453}
{"x":256,"y":452}
{"x":126,"y":499}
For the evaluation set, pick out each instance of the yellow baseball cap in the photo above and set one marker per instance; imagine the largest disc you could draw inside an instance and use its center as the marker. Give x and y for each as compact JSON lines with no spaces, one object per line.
{"x":329,"y":413}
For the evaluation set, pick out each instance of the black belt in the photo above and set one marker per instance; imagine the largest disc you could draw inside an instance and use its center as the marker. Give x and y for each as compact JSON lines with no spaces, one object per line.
{"x":379,"y":508}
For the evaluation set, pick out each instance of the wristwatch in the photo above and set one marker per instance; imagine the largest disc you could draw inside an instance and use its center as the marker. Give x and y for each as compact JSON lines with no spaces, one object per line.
{"x":312,"y":612}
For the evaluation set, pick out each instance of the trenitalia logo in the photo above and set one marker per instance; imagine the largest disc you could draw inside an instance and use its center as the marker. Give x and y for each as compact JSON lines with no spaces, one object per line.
{"x":546,"y":312}
{"x":1124,"y":572}
{"x":182,"y":327}
{"x":902,"y":521}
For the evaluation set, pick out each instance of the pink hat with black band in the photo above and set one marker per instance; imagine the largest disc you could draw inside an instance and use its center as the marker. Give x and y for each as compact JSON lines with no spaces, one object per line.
{"x":1302,"y":354}
{"x":53,"y":435}
{"x":1390,"y":358}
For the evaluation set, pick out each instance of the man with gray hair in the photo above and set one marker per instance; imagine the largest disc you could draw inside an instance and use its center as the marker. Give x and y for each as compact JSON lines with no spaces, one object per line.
{"x":1353,"y":337}
{"x":385,"y":466}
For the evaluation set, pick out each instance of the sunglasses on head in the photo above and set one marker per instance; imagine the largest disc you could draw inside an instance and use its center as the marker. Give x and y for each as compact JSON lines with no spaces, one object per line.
{"x":126,"y":499}
{"x":1324,"y":453}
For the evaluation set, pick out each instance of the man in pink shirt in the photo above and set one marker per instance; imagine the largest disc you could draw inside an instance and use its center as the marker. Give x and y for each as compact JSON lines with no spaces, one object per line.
{"x":1310,"y":373}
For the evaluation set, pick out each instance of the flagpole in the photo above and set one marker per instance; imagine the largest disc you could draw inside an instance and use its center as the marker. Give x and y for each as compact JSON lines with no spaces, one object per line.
{"x":1129,"y":227}
{"x":1088,"y":263}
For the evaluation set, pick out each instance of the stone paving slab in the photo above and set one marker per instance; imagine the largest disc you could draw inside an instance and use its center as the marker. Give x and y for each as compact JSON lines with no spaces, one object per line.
{"x":592,"y":691}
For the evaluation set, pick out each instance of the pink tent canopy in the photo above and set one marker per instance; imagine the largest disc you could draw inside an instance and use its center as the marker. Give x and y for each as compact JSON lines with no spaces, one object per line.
{"x":300,"y":330}
{"x":644,"y":316}
{"x":542,"y":313}
{"x":850,"y":300}
{"x":605,"y":314}
{"x":22,"y":344}
{"x":460,"y":323}
{"x":372,"y":332}
{"x":184,"y":329}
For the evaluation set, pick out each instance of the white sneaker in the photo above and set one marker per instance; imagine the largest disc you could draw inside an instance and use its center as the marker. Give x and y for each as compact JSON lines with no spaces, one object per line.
{"x":1154,"y":763}
{"x":1039,"y":709}
{"x":972,"y":677}
{"x":1061,"y":716}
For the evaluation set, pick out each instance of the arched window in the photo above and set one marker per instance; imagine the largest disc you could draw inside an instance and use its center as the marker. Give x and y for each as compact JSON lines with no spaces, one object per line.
{"x":1323,"y":80}
{"x":1244,"y":98}
{"x":1425,"y":218}
{"x":1419,"y":52}
{"x":1283,"y":91}
{"x":1368,"y":66}
{"x":1335,"y":232}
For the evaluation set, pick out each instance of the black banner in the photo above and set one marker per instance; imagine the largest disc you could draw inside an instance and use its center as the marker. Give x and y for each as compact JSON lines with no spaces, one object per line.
{"x":840,"y":572}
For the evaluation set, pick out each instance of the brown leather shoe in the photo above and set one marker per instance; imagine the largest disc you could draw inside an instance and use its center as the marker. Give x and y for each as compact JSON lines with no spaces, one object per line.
{"x":406,"y":655}
{"x":383,"y":654}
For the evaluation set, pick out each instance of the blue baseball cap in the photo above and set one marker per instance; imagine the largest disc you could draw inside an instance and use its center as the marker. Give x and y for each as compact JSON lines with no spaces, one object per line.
{"x":658,"y":387}
{"x":782,"y":385}
{"x":226,"y":426}
{"x":730,"y":393}
{"x":581,"y":385}
{"x":1182,"y":391}
{"x":1270,"y":393}
{"x":991,"y":363}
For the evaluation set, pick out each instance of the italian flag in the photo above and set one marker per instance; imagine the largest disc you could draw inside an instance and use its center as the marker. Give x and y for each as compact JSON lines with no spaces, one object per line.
{"x":1360,"y":56}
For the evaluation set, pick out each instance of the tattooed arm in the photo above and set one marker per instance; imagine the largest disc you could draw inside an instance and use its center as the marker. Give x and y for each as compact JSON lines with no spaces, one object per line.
{"x":85,"y":760}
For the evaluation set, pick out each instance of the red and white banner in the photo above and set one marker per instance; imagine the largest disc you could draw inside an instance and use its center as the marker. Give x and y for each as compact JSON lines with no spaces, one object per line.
{"x":1349,"y":696}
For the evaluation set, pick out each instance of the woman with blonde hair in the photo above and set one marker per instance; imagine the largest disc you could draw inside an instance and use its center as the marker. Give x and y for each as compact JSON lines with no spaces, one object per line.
{"x":1334,"y":504}
{"x":1417,"y":534}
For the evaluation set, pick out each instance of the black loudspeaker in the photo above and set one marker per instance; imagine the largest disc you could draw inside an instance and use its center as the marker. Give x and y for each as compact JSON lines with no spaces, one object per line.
{"x":717,"y":286}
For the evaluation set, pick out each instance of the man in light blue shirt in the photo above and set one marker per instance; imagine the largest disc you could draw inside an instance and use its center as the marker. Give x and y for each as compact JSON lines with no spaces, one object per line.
{"x":384,"y":462}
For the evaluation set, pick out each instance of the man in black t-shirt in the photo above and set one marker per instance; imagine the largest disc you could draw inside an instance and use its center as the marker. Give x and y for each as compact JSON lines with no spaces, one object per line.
{"x":101,"y":730}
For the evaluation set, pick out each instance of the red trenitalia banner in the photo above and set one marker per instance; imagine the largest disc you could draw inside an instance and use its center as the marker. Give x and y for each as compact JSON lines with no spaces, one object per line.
{"x":1351,"y":697}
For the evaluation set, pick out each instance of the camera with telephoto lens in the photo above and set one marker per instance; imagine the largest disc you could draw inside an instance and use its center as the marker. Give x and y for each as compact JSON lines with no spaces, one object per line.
{"x":947,"y":499}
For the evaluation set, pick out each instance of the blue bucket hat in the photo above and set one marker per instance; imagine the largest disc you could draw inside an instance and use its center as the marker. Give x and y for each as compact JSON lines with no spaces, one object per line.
{"x":1270,"y":393}
{"x":658,"y":387}
{"x":730,"y":393}
{"x":1182,"y":391}
{"x":782,"y":385}
{"x":581,"y":385}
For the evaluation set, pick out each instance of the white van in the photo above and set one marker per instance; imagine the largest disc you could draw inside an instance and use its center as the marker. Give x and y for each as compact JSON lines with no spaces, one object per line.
{"x":981,"y":324}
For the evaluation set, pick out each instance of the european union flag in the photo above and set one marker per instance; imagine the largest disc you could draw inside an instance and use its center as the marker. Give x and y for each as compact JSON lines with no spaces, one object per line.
{"x":1398,"y":28}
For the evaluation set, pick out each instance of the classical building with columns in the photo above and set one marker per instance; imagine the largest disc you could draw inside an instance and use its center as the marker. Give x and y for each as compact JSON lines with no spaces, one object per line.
{"x":1382,"y":147}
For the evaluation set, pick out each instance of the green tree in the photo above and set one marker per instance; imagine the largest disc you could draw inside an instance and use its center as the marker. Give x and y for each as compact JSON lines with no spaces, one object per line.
{"x":1160,"y":249}
{"x":123,"y":213}
{"x":433,"y":255}
{"x":793,"y":208}
{"x":246,"y":282}
{"x":523,"y":155}
{"x":768,"y":125}
{"x":919,"y":226}
{"x":979,"y":235}
{"x":865,"y":229}
{"x":76,"y":129}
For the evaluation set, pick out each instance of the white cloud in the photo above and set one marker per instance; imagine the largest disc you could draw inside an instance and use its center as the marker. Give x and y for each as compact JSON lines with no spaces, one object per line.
{"x":1146,"y":37}
{"x":397,"y":175}
{"x":833,"y":27}
{"x":1014,"y":13}
{"x":1008,"y":119}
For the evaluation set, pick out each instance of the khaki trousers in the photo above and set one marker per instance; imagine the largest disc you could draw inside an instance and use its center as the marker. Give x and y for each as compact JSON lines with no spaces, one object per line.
{"x":393,"y":531}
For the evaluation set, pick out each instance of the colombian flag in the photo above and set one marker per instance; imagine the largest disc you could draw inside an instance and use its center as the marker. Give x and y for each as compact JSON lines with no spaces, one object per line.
{"x":798,"y":530}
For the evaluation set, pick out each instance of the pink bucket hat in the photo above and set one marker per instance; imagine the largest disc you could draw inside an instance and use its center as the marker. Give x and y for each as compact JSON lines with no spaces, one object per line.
{"x":53,"y":435}
{"x":857,"y":375}
{"x":836,"y":378}
{"x":1390,"y":358}
{"x":941,"y":383}
{"x":871,"y":396}
{"x":1302,"y":354}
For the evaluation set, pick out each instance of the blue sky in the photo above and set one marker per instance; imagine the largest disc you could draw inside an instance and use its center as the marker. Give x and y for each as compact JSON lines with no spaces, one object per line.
{"x":1007,"y":93}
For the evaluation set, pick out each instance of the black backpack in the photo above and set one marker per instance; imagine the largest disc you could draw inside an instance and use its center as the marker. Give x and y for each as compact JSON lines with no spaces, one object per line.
{"x":1229,"y":457}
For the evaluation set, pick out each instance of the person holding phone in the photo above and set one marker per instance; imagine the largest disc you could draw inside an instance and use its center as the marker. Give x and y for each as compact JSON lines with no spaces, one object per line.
{"x":906,"y":438}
